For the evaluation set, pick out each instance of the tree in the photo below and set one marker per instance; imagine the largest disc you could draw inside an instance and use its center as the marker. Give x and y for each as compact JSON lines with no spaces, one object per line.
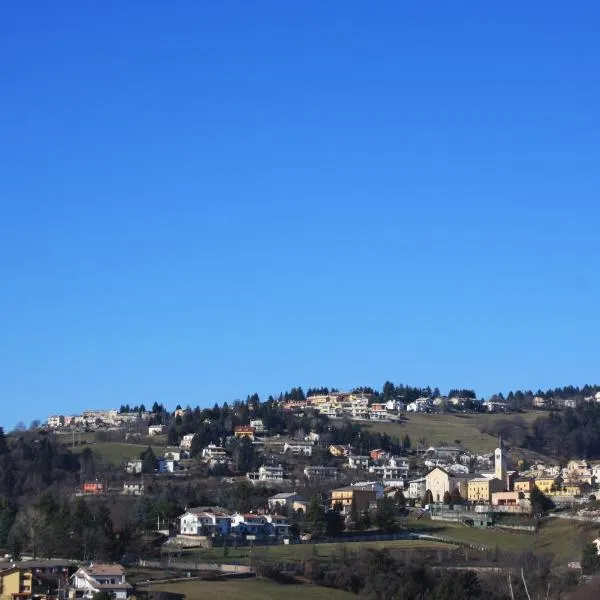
{"x":334,"y":522}
{"x":355,"y":519}
{"x":590,"y":561}
{"x":406,"y":442}
{"x":540,"y":503}
{"x":427,"y":498}
{"x":3,"y":445}
{"x":366,"y":519}
{"x":315,"y":516}
{"x":149,"y":462}
{"x":400,"y":499}
{"x":447,"y":497}
{"x":455,"y":497}
{"x":385,"y":517}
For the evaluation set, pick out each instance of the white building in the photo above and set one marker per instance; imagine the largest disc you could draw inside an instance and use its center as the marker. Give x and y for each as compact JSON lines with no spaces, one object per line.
{"x":417,"y":488}
{"x":258,"y":425}
{"x":321,"y":472}
{"x":155,"y":430}
{"x":212,"y":451}
{"x":273,"y":474}
{"x":358,"y":462}
{"x":96,"y":578}
{"x":133,"y":488}
{"x":395,"y":470}
{"x":203,"y":521}
{"x":166,"y":465}
{"x":56,"y":421}
{"x":133,"y":467}
{"x":186,"y":442}
{"x":305,"y":448}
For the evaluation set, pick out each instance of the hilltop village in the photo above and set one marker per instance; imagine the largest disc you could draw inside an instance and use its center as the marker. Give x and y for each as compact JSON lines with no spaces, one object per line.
{"x":141,"y":486}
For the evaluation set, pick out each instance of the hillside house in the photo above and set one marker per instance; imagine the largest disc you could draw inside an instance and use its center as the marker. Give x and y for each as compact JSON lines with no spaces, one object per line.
{"x":346,"y":496}
{"x":358,"y":462}
{"x":259,"y":426}
{"x":133,"y":488}
{"x":373,"y":486}
{"x":56,"y":421}
{"x":265,"y":473}
{"x":93,"y":487}
{"x":204,"y":521}
{"x":212,"y":451}
{"x":155,"y":430}
{"x":417,"y":488}
{"x":109,"y":578}
{"x":339,"y":451}
{"x":133,"y":467}
{"x":395,"y":470}
{"x":244,"y":431}
{"x":298,"y":448}
{"x":378,"y":454}
{"x":186,"y":442}
{"x":321,"y":472}
{"x":480,"y":489}
{"x":378,"y":412}
{"x":284,"y":500}
{"x":34,"y":579}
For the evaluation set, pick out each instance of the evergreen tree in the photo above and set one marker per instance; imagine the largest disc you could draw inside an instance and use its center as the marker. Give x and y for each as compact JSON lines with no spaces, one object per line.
{"x":3,"y":444}
{"x":315,"y":516}
{"x":385,"y":517}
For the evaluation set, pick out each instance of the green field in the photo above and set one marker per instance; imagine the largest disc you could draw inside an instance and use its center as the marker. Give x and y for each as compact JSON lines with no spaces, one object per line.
{"x":559,"y":537}
{"x":117,"y":452}
{"x":450,"y":427}
{"x":300,"y":552}
{"x":250,"y":589}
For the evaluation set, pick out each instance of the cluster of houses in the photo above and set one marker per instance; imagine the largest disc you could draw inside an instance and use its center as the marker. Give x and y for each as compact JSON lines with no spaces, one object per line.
{"x":51,"y":579}
{"x":96,"y":419}
{"x":212,"y":521}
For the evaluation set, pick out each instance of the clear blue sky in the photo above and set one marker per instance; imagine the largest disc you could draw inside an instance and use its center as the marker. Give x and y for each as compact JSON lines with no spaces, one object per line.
{"x":201,"y":200}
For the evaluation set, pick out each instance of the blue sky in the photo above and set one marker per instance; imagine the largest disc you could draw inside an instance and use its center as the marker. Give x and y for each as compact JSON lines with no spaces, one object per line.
{"x":200,"y":200}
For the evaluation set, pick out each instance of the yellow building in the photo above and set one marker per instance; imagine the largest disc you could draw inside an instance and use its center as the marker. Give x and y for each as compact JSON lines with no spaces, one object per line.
{"x":480,"y":489}
{"x":345,"y":496}
{"x":33,"y":579}
{"x":548,"y":484}
{"x":524,"y":485}
{"x":15,"y":583}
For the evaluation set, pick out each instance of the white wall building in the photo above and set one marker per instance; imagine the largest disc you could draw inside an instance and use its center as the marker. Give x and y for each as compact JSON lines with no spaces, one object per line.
{"x":201,"y":521}
{"x":96,"y":578}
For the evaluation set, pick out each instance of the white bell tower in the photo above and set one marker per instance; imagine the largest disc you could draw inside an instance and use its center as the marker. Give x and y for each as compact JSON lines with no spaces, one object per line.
{"x":499,"y":463}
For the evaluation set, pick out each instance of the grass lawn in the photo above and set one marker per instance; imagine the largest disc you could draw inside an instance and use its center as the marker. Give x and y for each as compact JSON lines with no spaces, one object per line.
{"x":117,"y":452}
{"x":449,"y":427}
{"x":250,"y":589}
{"x":559,"y":537}
{"x":298,"y":552}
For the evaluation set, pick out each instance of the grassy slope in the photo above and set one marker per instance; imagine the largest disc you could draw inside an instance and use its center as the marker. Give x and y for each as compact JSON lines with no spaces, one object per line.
{"x":117,"y":452}
{"x":449,"y":427}
{"x":298,"y":552}
{"x":559,"y":537}
{"x":251,"y":589}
